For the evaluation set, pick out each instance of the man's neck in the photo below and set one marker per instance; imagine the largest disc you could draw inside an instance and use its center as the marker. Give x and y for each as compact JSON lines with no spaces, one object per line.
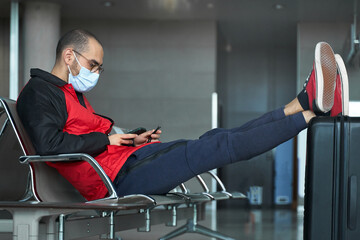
{"x":60,"y":73}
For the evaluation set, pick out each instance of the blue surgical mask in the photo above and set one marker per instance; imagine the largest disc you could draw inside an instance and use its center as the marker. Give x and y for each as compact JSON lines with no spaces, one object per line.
{"x":85,"y":80}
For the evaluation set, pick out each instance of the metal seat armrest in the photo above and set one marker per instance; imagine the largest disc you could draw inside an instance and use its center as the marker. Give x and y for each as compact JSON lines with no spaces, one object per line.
{"x":223,"y":189}
{"x":186,"y":190}
{"x":202,"y":183}
{"x":74,"y":157}
{"x":182,"y":195}
{"x":220,"y":183}
{"x":207,"y":190}
{"x":183,"y":188}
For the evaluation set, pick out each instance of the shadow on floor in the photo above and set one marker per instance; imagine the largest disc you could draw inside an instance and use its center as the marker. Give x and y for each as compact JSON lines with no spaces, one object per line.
{"x":242,"y":224}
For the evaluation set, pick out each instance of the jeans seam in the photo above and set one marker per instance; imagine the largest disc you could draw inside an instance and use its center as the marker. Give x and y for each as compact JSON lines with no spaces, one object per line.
{"x":232,"y":160}
{"x":187,"y":159}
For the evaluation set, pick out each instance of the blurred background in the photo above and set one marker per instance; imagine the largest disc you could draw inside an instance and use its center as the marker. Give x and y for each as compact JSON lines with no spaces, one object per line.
{"x":165,"y":59}
{"x":192,"y":65}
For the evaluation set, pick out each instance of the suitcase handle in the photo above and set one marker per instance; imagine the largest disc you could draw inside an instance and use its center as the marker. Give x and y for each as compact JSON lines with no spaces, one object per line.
{"x":352,"y":203}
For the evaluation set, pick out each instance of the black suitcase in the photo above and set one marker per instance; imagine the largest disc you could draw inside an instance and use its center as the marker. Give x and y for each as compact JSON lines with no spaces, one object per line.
{"x":332,"y":194}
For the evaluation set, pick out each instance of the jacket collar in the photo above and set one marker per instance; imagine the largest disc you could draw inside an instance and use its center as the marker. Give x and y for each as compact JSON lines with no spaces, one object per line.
{"x":36,"y":72}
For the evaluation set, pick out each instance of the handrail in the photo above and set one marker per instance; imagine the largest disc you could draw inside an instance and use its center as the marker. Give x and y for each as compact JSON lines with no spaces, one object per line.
{"x":203,"y":184}
{"x":220,"y":183}
{"x":183,"y":188}
{"x":6,"y":108}
{"x":217,"y":179}
{"x":74,"y":157}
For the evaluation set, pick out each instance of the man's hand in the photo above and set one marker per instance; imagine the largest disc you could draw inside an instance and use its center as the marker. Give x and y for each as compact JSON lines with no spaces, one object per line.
{"x":130,"y":139}
{"x":122,"y":139}
{"x":144,"y":137}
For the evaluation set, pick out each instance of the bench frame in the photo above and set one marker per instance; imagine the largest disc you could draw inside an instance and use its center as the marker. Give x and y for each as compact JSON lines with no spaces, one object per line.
{"x":73,"y":216}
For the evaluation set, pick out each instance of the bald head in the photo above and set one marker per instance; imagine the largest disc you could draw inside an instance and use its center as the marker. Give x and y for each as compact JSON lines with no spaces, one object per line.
{"x":76,"y":49}
{"x":77,"y":39}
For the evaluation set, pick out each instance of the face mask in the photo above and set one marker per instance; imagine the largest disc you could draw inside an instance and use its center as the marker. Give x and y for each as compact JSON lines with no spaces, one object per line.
{"x":85,"y":80}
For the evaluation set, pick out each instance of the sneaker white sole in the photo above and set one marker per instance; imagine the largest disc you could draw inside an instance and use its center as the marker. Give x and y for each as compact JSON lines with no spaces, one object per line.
{"x":325,"y":69}
{"x":344,"y":84}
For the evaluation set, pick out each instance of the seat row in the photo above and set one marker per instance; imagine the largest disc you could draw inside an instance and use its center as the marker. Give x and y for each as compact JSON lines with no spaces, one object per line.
{"x":36,"y":194}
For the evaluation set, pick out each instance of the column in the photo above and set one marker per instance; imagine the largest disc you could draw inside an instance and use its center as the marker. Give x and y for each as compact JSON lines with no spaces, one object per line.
{"x":41,"y":32}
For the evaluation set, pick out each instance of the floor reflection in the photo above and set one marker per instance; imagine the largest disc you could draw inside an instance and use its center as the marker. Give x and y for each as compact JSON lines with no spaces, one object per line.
{"x":261,"y":224}
{"x":241,"y":224}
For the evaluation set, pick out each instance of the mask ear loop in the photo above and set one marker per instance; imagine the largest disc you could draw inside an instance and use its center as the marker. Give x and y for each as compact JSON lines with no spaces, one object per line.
{"x":69,"y":70}
{"x":76,"y":59}
{"x":77,"y":62}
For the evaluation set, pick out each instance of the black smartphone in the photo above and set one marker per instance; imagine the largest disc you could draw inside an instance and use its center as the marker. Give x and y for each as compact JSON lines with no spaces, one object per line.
{"x":149,"y":140}
{"x":156,"y":130}
{"x":137,"y":131}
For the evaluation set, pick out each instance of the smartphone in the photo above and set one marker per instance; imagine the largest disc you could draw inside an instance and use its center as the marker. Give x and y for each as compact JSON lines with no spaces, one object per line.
{"x":149,"y":140}
{"x":156,"y":130}
{"x":137,"y":131}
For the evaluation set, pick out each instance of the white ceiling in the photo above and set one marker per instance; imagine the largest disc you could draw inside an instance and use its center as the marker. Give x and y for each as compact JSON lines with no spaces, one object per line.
{"x":239,"y":21}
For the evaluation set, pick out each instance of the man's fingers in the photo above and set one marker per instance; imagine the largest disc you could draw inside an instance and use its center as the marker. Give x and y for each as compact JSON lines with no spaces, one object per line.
{"x":127,"y":142}
{"x":128,"y":136}
{"x":155,"y":136}
{"x":121,"y":139}
{"x":147,"y":134}
{"x":150,"y":133}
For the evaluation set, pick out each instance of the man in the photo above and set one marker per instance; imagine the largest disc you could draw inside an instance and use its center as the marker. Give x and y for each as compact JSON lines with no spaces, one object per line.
{"x":59,"y":119}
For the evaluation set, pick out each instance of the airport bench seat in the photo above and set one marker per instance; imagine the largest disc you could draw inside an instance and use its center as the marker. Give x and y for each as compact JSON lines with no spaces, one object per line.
{"x":42,"y":193}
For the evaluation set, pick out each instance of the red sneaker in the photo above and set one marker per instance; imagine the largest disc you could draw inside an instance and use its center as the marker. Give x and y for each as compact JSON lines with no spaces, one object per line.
{"x":325,"y":68}
{"x":307,"y":95}
{"x":318,"y":92}
{"x":341,"y":97}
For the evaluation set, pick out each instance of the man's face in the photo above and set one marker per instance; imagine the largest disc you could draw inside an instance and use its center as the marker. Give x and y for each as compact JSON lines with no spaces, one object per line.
{"x":90,"y":59}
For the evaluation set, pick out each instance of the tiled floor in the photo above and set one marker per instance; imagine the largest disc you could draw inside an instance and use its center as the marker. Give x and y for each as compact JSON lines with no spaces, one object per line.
{"x":242,"y":224}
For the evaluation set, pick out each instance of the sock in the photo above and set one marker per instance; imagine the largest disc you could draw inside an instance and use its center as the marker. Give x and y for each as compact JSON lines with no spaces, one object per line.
{"x":303,"y":100}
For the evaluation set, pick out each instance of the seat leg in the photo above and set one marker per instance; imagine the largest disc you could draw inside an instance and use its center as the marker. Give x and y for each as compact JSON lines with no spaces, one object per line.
{"x":26,"y":223}
{"x":210,"y":233}
{"x":193,"y":227}
{"x":111,"y":234}
{"x":176,"y":232}
{"x":50,"y":223}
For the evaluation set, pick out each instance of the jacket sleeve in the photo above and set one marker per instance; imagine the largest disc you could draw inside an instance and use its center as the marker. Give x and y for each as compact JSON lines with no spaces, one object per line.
{"x":42,"y":110}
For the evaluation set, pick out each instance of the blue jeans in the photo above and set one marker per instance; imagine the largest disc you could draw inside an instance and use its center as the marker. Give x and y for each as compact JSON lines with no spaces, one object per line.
{"x":160,"y":167}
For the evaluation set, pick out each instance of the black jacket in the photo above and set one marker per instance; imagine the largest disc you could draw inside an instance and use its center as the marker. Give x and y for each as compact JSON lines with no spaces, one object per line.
{"x":42,"y":109}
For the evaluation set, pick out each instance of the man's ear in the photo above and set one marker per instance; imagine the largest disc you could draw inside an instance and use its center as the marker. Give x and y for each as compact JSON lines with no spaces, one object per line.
{"x":68,"y":56}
